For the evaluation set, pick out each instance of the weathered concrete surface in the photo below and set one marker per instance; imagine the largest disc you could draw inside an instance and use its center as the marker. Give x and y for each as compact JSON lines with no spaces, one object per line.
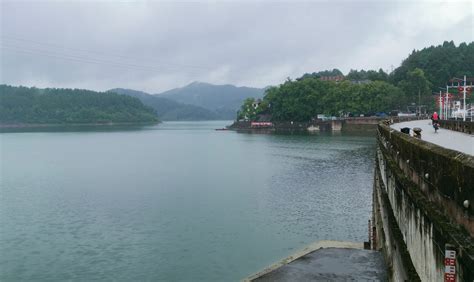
{"x":346,"y":124}
{"x":419,"y":195}
{"x":444,"y":176}
{"x":335,"y":264}
{"x":449,"y":139}
{"x":336,"y":125}
{"x":389,"y":237}
{"x":326,"y":260}
{"x":458,"y":125}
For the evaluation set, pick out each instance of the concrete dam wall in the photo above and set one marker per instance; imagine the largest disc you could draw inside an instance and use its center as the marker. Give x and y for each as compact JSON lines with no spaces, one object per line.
{"x":345,"y":124}
{"x":423,"y":201}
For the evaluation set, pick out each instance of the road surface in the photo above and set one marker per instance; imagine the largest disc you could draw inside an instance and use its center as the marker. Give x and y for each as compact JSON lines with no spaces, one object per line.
{"x":445,"y":138}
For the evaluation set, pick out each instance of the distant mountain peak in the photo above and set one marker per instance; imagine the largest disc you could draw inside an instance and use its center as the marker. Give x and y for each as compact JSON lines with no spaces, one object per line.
{"x":206,"y":84}
{"x":198,"y":84}
{"x":168,"y":109}
{"x":222,"y":99}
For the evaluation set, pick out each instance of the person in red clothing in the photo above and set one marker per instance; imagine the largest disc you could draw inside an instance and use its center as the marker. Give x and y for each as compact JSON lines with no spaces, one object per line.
{"x":435,"y":121}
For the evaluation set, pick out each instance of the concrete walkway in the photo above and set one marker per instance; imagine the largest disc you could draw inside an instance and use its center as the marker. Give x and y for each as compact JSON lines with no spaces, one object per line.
{"x":327,"y":261}
{"x":449,"y":139}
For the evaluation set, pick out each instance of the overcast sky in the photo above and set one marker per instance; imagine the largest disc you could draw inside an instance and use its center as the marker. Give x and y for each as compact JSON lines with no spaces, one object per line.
{"x":155,"y":46}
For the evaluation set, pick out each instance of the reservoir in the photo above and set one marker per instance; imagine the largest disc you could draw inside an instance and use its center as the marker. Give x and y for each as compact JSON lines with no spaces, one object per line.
{"x":177,"y":201}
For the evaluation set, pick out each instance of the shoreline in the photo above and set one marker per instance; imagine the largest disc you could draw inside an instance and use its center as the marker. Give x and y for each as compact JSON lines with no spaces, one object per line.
{"x":49,"y":125}
{"x":53,"y":127}
{"x":339,"y":125}
{"x":354,"y":124}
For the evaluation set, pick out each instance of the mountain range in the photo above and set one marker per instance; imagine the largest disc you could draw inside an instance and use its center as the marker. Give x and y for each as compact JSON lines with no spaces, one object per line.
{"x":196,"y":101}
{"x":168,"y":109}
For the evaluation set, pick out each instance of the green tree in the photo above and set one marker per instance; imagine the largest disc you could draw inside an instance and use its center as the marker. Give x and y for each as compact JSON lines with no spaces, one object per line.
{"x":50,"y":105}
{"x":247,"y":110}
{"x":417,"y":87}
{"x":439,"y":63}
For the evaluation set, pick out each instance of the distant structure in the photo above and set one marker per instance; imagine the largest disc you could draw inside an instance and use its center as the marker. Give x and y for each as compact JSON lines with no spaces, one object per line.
{"x":336,"y":78}
{"x":360,"y":81}
{"x":458,"y":82}
{"x":256,"y":104}
{"x":452,"y":104}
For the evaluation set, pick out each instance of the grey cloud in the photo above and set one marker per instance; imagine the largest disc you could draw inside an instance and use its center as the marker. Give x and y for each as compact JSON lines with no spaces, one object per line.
{"x":154,"y":46}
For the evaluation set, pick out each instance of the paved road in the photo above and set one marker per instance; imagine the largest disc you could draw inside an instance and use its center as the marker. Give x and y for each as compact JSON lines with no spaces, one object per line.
{"x":446,"y":138}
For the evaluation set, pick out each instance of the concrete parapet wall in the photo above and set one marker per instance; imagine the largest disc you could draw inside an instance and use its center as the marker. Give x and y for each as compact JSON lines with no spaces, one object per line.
{"x":388,"y":235}
{"x":424,"y":186}
{"x":445,"y":176}
{"x":458,"y":125}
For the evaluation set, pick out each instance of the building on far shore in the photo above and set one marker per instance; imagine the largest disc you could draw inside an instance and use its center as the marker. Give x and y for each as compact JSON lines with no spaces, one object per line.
{"x":256,"y":103}
{"x":360,"y":81}
{"x":336,"y":78}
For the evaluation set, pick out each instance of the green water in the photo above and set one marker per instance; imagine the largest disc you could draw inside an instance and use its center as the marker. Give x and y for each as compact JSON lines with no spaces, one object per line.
{"x":174,"y":202}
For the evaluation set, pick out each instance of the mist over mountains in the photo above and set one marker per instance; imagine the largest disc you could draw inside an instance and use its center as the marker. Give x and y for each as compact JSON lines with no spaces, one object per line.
{"x":196,"y":101}
{"x":224,"y":100}
{"x":167,"y":109}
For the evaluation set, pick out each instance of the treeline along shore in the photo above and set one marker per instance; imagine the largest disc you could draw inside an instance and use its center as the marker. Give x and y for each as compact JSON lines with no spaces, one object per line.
{"x":413,"y":86}
{"x":302,"y":100}
{"x":35,"y":107}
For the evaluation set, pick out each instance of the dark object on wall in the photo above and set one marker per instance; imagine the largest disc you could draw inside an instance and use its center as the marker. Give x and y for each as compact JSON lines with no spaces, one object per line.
{"x":417,"y":132}
{"x":405,"y":130}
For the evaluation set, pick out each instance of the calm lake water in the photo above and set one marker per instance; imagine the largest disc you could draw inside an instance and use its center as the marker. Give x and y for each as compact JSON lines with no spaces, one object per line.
{"x":175,"y":202}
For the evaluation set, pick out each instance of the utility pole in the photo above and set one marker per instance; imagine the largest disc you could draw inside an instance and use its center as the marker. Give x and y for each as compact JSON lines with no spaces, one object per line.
{"x":447,"y":102}
{"x":419,"y":102}
{"x":441,"y":105}
{"x":460,"y":88}
{"x":464,"y":104}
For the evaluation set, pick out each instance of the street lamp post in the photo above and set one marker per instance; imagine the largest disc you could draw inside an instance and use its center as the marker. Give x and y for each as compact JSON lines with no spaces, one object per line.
{"x":464,"y":103}
{"x":440,"y":100}
{"x":446,"y":105}
{"x":447,"y":108}
{"x":442,"y":108}
{"x":441,"y":105}
{"x":464,"y":97}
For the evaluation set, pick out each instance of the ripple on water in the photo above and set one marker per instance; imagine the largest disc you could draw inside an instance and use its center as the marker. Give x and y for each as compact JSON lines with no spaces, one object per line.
{"x":175,"y":203}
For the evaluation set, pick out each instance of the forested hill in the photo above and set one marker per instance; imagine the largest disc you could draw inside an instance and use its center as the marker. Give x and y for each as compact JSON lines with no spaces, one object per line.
{"x":167,"y":109}
{"x":367,"y":92}
{"x":439,"y":63}
{"x":304,"y":99}
{"x":69,"y":106}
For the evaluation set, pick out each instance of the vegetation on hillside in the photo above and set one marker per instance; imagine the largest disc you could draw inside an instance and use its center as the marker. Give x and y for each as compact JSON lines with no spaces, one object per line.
{"x":68,"y":106}
{"x":355,"y":75}
{"x":305,"y":99}
{"x":334,"y":72}
{"x":366,"y":92}
{"x":439,"y":63}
